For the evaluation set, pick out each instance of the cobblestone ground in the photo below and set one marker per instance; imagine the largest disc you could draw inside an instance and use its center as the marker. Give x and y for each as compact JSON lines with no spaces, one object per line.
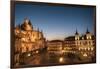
{"x":50,"y":59}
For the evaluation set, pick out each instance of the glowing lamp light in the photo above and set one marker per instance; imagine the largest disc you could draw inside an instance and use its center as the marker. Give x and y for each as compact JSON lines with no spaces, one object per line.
{"x":61,"y":59}
{"x":29,"y":55}
{"x":37,"y":51}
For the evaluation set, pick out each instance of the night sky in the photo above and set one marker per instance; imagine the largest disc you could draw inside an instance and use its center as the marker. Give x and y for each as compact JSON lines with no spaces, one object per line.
{"x":56,"y":22}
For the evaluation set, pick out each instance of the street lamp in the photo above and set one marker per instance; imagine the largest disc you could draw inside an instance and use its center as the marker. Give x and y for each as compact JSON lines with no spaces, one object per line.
{"x":28,"y":54}
{"x":61,"y":59}
{"x":37,"y":51}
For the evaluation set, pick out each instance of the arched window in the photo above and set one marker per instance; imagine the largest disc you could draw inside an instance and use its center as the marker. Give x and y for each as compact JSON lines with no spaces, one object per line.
{"x":87,"y":37}
{"x":92,"y":48}
{"x":90,"y":37}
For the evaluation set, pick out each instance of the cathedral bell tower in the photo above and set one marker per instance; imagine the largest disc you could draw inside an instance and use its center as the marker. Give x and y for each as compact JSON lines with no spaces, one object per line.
{"x":76,"y":35}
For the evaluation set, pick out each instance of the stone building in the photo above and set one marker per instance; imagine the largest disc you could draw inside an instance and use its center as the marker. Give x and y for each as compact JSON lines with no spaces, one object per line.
{"x":82,"y":44}
{"x":28,"y":39}
{"x":54,"y":46}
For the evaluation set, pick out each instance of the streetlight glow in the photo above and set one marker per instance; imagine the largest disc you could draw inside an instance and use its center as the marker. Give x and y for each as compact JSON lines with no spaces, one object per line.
{"x":29,"y":55}
{"x":61,"y":59}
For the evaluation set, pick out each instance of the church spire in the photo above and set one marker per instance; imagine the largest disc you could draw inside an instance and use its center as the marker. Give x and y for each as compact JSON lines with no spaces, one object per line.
{"x":38,"y":29}
{"x":38,"y":32}
{"x":87,"y":31}
{"x":42,"y":33}
{"x":76,"y":32}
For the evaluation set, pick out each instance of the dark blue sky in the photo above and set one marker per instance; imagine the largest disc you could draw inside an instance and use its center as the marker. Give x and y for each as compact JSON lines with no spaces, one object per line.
{"x":56,"y":22}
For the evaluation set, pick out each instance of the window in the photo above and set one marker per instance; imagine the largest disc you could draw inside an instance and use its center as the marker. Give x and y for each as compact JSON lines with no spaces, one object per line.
{"x":87,"y":37}
{"x":92,"y":49}
{"x":90,"y":37}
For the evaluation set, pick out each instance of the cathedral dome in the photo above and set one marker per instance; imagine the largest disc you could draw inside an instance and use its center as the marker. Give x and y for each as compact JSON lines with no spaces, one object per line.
{"x":27,"y":25}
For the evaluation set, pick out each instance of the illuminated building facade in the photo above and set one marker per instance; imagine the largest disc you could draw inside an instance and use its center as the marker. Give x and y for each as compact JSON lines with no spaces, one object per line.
{"x":27,"y":39}
{"x":55,"y":46}
{"x":81,"y":44}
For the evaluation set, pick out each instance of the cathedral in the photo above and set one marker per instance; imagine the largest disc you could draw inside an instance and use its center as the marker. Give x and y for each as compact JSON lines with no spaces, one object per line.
{"x":27,"y":39}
